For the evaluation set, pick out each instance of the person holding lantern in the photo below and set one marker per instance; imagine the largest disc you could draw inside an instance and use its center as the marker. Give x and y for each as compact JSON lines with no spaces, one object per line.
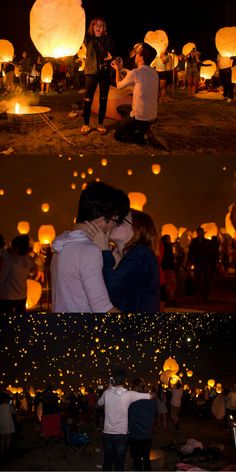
{"x":224,"y":65}
{"x":192,"y":71}
{"x":99,"y":53}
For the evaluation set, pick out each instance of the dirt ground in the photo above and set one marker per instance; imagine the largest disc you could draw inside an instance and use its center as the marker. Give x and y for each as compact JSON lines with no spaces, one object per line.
{"x":190,"y":125}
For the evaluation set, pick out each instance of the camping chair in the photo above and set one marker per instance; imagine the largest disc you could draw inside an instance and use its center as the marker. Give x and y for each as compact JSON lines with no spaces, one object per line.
{"x":52,"y":432}
{"x":76,"y":441}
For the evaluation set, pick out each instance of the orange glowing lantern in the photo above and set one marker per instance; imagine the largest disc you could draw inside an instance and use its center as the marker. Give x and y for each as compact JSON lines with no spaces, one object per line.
{"x":45,"y":207}
{"x":84,"y":185}
{"x":73,"y":186}
{"x":174,"y":379}
{"x":181,"y":231}
{"x":210,"y":230}
{"x":166,"y":375}
{"x":23,"y":227}
{"x":2,"y":192}
{"x":226,"y":41}
{"x":34,"y":292}
{"x":158,"y":40}
{"x":211,"y":383}
{"x":32,"y":391}
{"x":6,"y":51}
{"x":104,"y":162}
{"x":83,"y":175}
{"x":156,"y":169}
{"x":233,"y":77}
{"x":229,"y":227}
{"x":208,"y":69}
{"x":57,"y":28}
{"x":155,"y":454}
{"x":137,"y":200}
{"x":187,"y":48}
{"x":174,"y":61}
{"x":171,"y":230}
{"x":189,"y":373}
{"x":115,"y":98}
{"x":47,"y":73}
{"x":129,"y":172}
{"x":90,"y":171}
{"x":171,"y":364}
{"x":46,"y":234}
{"x":29,"y":191}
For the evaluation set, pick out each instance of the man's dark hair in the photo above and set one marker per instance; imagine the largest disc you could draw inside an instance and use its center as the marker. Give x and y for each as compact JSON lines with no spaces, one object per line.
{"x":21,"y":244}
{"x":148,"y":53}
{"x":100,"y":199}
{"x":119,"y":376}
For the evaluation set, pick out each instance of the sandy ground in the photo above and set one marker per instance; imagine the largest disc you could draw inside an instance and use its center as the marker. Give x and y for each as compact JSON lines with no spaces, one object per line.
{"x":32,"y":454}
{"x":191,"y":126}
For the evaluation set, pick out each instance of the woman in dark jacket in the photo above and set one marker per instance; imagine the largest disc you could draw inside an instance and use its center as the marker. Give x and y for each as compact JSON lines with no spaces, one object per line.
{"x":141,"y":417}
{"x":131,"y":270}
{"x":99,"y":53}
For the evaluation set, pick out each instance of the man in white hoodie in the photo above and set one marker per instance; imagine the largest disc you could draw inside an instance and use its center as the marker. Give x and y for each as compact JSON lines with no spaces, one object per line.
{"x":76,"y":267}
{"x":144,"y":79}
{"x":117,"y":400}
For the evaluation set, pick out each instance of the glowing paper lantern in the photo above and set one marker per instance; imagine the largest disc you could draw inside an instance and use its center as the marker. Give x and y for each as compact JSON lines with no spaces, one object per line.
{"x":32,"y":391}
{"x":23,"y":227}
{"x":229,"y":227}
{"x":34,"y":292}
{"x":174,"y":379}
{"x":137,"y":200}
{"x":210,"y":230}
{"x":174,"y":60}
{"x":211,"y":383}
{"x":189,"y":373}
{"x":208,"y":69}
{"x":129,"y":172}
{"x":171,"y":230}
{"x":29,"y":191}
{"x":45,"y":207}
{"x":46,"y":234}
{"x":226,"y":41}
{"x":156,"y":169}
{"x":6,"y":51}
{"x":171,"y":364}
{"x":115,"y":98}
{"x":47,"y":73}
{"x":2,"y":191}
{"x":57,"y":28}
{"x":181,"y":231}
{"x":233,"y":77}
{"x":166,"y":375}
{"x":104,"y":163}
{"x":187,"y":48}
{"x":158,"y":40}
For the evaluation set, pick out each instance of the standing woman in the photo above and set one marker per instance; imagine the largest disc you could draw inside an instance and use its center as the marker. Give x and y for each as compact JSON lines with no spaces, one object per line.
{"x":100,"y":51}
{"x":192,"y":71}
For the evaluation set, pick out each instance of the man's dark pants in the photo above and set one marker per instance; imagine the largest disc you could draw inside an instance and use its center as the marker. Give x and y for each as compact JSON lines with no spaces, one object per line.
{"x":114,"y":447}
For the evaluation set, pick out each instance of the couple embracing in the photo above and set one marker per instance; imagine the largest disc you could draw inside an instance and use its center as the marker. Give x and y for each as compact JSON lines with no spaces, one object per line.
{"x":107,"y":262}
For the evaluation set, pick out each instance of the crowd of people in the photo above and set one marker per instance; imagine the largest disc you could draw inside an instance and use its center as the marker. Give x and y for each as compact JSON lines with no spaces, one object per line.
{"x":128,"y":418}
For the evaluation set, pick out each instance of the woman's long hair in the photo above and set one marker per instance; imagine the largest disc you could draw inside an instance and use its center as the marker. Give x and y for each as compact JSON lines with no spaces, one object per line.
{"x":93,"y":22}
{"x":144,"y":229}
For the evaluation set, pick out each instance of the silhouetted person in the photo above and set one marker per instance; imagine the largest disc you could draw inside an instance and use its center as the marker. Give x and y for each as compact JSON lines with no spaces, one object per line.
{"x":200,"y":255}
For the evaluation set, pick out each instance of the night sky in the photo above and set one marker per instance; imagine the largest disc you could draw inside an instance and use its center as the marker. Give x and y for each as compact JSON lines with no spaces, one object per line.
{"x":128,"y":22}
{"x":71,"y":350}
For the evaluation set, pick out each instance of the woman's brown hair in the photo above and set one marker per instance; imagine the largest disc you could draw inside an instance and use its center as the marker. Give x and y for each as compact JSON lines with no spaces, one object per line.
{"x":139,"y":385}
{"x":93,"y":22}
{"x":144,"y":231}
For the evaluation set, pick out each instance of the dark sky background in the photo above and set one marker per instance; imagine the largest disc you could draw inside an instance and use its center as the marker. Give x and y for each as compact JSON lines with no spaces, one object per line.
{"x":129,"y":21}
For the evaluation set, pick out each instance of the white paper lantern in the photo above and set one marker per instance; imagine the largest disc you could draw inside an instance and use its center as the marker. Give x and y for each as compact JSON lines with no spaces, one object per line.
{"x":158,"y":40}
{"x":187,"y":48}
{"x":115,"y":98}
{"x":47,"y":73}
{"x":208,"y":69}
{"x":226,"y":41}
{"x":57,"y":27}
{"x":6,"y":51}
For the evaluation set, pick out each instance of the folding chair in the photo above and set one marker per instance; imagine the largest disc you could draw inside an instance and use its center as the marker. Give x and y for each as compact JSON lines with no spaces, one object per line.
{"x":77,"y":442}
{"x":52,"y":432}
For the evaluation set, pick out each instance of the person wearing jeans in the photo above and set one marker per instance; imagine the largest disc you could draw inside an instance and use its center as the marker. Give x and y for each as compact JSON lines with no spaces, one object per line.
{"x":116,"y":400}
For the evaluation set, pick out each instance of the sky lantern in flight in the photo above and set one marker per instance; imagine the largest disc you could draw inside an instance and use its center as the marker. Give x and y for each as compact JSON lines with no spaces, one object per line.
{"x":171,"y":364}
{"x":23,"y":227}
{"x":226,"y":41}
{"x":208,"y":69}
{"x":166,"y":375}
{"x":171,"y":230}
{"x":158,"y":40}
{"x":46,"y":234}
{"x":47,"y":73}
{"x":210,"y":229}
{"x":57,"y":28}
{"x":137,"y":200}
{"x":6,"y":51}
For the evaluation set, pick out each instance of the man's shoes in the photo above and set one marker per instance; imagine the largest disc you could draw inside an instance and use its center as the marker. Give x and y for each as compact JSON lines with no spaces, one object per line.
{"x":157,"y":141}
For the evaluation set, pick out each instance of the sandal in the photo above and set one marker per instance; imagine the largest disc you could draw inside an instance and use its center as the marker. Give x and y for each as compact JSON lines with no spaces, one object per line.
{"x":102,"y":129}
{"x":85,"y":129}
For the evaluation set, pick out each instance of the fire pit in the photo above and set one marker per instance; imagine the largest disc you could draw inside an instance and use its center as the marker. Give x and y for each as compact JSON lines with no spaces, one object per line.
{"x":24,"y":119}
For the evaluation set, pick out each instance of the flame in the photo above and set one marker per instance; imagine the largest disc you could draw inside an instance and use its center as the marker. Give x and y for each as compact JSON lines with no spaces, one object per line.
{"x":17,"y":108}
